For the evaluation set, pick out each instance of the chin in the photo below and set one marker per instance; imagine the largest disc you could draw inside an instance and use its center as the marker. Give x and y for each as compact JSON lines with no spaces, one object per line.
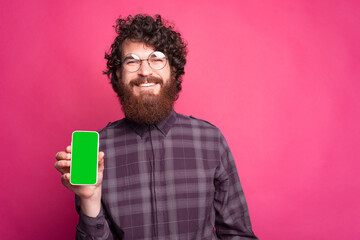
{"x":146,"y":93}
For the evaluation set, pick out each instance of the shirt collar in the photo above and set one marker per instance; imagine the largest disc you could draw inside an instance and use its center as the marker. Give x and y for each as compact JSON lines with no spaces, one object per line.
{"x":164,"y":126}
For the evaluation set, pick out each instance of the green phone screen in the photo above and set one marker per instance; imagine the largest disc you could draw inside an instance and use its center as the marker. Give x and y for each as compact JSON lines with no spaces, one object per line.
{"x":84,"y":158}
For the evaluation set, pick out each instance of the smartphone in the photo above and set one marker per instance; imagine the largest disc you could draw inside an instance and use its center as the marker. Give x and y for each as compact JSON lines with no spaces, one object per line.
{"x":84,"y":158}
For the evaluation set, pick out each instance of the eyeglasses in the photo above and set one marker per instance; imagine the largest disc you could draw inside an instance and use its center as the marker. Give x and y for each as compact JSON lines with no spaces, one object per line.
{"x":156,"y":60}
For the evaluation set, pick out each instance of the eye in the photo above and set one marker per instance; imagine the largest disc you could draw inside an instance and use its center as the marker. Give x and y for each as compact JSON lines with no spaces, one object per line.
{"x":157,"y":60}
{"x":130,"y":62}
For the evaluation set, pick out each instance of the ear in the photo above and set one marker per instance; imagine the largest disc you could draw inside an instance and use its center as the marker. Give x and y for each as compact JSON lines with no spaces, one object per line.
{"x":118,"y":74}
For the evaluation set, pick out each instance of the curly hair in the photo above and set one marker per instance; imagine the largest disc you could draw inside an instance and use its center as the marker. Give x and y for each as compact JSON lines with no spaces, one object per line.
{"x":154,"y":32}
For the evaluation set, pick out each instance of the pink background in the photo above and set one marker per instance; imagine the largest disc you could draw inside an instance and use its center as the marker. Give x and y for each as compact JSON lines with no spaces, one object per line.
{"x":281,"y":79}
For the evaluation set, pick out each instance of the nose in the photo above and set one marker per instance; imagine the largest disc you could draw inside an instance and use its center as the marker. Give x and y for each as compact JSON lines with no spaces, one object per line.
{"x":145,"y":70}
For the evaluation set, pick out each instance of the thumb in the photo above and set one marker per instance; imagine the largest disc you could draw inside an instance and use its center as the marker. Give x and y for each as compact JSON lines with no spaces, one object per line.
{"x":101,"y":161}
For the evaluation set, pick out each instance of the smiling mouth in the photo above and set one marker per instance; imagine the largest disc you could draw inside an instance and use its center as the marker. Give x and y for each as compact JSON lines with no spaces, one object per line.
{"x":146,"y":84}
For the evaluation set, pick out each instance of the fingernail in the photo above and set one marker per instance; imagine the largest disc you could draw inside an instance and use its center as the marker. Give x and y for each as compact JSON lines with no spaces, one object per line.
{"x":68,"y":155}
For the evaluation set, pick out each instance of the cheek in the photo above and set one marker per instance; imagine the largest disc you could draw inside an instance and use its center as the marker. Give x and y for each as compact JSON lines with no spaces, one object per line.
{"x":126,"y":77}
{"x":166,"y":75}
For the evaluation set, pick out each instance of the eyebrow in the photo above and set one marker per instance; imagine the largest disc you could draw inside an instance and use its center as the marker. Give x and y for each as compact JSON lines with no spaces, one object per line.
{"x":128,"y":57}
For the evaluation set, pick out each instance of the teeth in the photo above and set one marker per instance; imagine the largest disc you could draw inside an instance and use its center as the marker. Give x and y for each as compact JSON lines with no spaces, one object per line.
{"x":147,"y":84}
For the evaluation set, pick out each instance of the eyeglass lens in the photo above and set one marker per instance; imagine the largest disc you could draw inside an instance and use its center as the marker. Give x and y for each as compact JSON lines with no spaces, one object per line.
{"x":156,"y":60}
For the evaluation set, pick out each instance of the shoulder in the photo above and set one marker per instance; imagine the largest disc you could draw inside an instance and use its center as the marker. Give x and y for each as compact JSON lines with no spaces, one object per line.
{"x":203,"y":127}
{"x":196,"y":123}
{"x":208,"y":133}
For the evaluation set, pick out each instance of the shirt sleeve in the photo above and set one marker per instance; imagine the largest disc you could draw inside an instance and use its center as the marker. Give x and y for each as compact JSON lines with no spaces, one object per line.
{"x":92,"y":227}
{"x":232,"y":220}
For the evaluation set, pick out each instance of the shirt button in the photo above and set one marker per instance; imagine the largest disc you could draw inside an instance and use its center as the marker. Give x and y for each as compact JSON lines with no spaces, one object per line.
{"x":99,"y":226}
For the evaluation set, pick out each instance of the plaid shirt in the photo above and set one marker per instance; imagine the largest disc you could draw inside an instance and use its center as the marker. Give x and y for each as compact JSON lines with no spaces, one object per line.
{"x":173,"y":180}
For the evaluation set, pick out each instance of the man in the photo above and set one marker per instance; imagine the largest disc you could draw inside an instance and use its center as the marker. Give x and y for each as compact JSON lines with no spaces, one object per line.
{"x":164,"y":175}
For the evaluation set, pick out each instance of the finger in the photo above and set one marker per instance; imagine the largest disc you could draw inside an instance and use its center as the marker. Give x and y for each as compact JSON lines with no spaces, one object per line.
{"x":62,"y":156}
{"x":58,"y":155}
{"x":101,"y":155}
{"x":67,"y":176}
{"x":65,"y":179}
{"x":68,"y":149}
{"x":101,"y":158}
{"x":63,"y":166}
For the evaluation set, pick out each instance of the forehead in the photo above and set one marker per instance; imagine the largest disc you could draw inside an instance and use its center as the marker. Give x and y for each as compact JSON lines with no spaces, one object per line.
{"x":139,"y":48}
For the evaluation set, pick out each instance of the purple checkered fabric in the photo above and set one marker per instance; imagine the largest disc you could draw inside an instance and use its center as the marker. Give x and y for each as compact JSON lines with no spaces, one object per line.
{"x":173,"y":180}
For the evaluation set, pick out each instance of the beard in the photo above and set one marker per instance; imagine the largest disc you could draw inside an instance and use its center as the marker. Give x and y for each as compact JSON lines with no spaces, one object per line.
{"x":147,"y":108}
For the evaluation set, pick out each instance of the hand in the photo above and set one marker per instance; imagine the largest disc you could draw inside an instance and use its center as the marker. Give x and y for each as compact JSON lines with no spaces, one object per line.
{"x":90,"y":195}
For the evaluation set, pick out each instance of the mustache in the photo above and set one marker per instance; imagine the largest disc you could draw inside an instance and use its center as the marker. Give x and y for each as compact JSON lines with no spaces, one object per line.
{"x":138,"y":81}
